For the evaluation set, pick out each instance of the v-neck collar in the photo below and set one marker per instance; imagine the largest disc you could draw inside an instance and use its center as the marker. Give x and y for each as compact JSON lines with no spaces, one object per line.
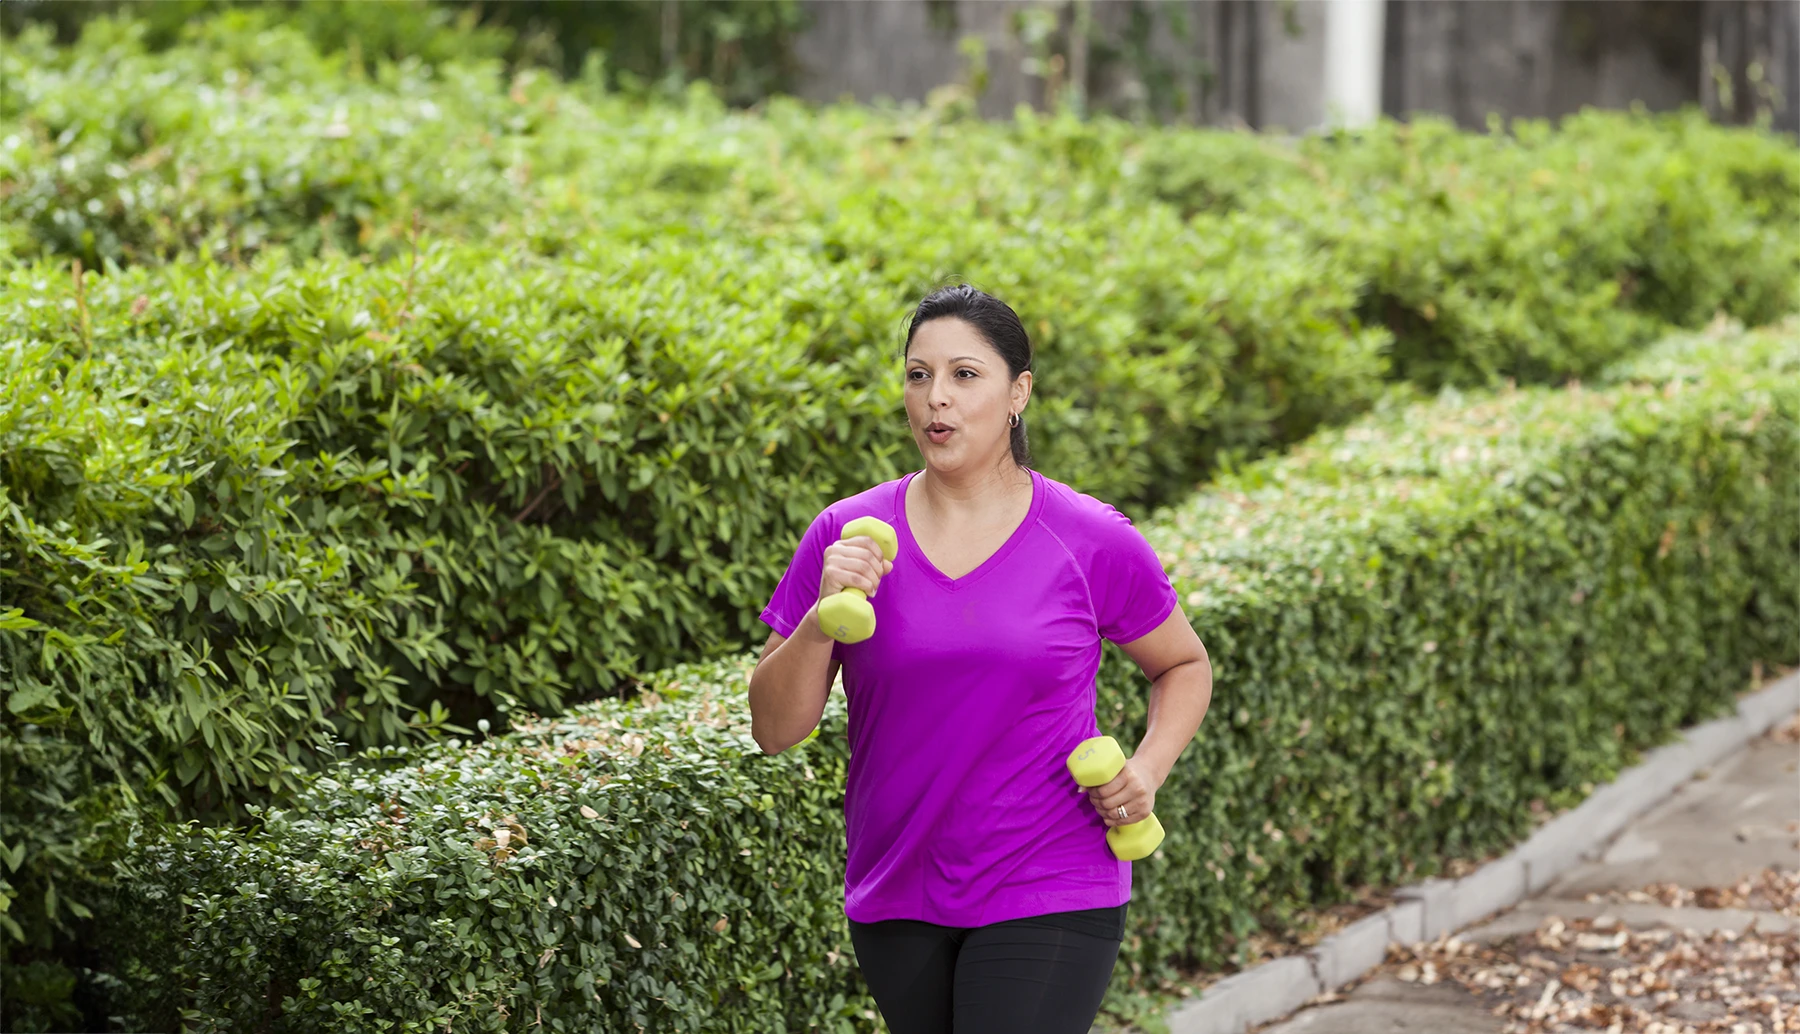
{"x":907,"y":542}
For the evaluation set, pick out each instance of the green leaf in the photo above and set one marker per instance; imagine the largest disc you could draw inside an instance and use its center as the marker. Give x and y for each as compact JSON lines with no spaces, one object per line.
{"x":30,"y":697}
{"x":194,"y":703}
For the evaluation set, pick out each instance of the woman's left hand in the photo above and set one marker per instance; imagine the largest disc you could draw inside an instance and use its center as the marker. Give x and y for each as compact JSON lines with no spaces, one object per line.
{"x":1131,"y":790}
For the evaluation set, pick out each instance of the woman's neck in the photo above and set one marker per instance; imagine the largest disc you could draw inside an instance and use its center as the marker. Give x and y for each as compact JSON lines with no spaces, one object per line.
{"x":997,"y":489}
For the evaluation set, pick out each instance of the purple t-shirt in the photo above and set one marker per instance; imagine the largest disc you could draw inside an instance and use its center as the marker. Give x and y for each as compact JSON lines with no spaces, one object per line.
{"x":967,"y":700}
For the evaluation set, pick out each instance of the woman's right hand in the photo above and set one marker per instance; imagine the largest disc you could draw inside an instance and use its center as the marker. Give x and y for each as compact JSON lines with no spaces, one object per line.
{"x":853,"y":563}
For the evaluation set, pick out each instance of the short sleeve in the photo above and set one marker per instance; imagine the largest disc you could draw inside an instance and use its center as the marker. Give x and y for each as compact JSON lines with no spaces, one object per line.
{"x":798,"y":589}
{"x":1132,"y":593}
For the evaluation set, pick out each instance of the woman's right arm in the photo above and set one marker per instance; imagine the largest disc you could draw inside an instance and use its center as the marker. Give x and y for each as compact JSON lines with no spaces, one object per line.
{"x":793,"y":679}
{"x":790,"y":685}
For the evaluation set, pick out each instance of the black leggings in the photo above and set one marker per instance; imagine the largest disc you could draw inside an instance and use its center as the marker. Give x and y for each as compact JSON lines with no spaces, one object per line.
{"x":1043,"y":974}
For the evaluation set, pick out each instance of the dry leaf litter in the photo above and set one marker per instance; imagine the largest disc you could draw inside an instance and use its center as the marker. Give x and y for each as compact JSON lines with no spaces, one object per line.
{"x":1598,"y":975}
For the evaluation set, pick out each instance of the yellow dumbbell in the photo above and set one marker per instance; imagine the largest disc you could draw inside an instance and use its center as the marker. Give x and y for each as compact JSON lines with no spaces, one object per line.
{"x":848,"y":616}
{"x":1094,"y":763}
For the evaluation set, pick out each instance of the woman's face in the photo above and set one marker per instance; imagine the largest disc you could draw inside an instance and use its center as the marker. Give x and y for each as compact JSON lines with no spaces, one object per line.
{"x":955,"y":379}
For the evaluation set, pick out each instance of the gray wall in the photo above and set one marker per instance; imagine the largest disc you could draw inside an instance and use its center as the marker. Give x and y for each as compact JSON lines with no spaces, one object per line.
{"x":1239,"y":62}
{"x":1528,"y":58}
{"x":868,"y":49}
{"x":1236,"y":63}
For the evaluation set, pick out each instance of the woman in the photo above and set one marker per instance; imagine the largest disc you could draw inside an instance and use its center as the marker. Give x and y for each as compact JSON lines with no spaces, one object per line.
{"x":980,"y":891}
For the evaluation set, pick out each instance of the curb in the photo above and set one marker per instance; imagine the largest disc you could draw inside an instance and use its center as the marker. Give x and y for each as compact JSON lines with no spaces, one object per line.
{"x":1435,"y":907}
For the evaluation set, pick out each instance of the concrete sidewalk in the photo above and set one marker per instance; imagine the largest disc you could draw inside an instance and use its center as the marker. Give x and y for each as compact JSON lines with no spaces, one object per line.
{"x":1723,"y":826}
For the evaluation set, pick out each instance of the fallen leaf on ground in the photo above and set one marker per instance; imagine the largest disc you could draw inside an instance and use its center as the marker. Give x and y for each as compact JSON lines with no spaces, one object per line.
{"x":1771,"y":890}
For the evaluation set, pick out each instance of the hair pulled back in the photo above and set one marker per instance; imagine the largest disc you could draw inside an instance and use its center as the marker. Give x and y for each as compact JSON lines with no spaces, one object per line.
{"x":997,"y":324}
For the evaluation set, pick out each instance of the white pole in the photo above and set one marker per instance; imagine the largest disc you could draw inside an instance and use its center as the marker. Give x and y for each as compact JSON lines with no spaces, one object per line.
{"x":1353,"y":31}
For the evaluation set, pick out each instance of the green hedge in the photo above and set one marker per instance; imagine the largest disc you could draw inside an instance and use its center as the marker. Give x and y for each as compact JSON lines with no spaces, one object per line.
{"x":695,"y":892}
{"x":1534,"y":253}
{"x":170,"y":635}
{"x":742,"y":47}
{"x":1266,"y":285}
{"x":1548,"y":252}
{"x":1420,"y":625}
{"x":1531,"y":252}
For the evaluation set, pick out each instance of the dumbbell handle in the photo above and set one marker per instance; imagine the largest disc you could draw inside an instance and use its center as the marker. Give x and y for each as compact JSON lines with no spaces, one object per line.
{"x":1096,"y":762}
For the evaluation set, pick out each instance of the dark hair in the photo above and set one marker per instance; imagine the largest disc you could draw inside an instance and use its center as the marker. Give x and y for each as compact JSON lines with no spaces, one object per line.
{"x":997,"y":324}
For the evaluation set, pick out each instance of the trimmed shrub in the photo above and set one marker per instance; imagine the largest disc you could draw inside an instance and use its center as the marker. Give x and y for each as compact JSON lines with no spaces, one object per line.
{"x":171,"y":636}
{"x":1530,"y":252}
{"x":1420,"y":625}
{"x":635,"y":865}
{"x":1546,"y":253}
{"x":265,"y":144}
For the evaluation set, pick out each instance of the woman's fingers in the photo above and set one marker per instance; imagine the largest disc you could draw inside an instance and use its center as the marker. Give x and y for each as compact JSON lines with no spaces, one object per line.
{"x":874,"y":563}
{"x":1112,"y":788}
{"x":1109,"y":802}
{"x":1125,"y":790}
{"x":851,"y":564}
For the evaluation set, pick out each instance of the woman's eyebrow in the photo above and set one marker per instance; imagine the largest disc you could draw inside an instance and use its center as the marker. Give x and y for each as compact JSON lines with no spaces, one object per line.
{"x":954,"y":359}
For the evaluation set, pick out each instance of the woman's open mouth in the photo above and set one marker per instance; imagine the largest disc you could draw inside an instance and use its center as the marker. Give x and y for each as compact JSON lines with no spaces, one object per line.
{"x":938,"y":433}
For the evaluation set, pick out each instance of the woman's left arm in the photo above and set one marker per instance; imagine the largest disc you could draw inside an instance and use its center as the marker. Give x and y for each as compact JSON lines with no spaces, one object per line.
{"x":1180,"y":673}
